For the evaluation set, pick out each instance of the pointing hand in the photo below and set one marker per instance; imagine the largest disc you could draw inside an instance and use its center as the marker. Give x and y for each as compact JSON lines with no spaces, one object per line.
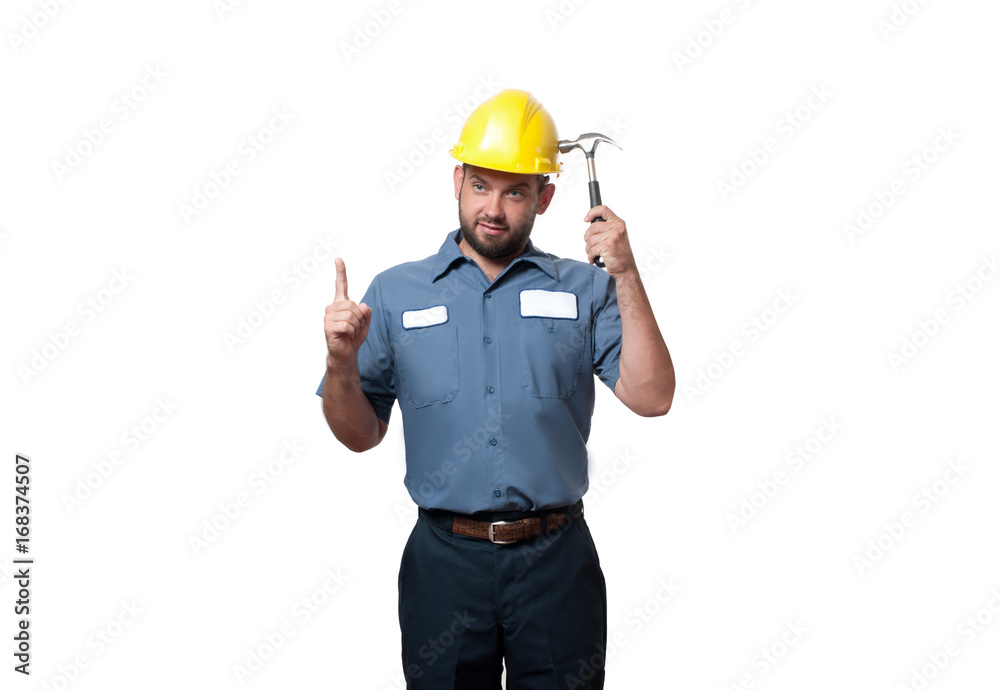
{"x":346,"y":323}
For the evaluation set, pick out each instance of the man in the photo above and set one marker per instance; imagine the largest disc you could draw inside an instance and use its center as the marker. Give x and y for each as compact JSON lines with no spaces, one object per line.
{"x":491,"y":347}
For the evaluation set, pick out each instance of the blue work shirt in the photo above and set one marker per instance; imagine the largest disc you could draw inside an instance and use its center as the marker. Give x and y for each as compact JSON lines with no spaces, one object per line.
{"x":495,"y":381}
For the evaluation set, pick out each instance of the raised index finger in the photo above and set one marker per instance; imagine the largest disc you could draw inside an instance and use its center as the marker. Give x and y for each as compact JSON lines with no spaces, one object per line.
{"x":341,"y":280}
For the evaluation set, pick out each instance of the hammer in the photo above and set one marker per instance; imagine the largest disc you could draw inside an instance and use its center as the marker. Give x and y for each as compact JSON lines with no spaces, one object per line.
{"x":582,"y":142}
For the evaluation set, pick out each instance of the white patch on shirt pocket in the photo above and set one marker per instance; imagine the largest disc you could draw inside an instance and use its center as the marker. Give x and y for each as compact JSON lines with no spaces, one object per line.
{"x":550,"y":304}
{"x":422,"y":318}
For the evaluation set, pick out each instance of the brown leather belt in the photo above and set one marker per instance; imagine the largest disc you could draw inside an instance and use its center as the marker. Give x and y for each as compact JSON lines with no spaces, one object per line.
{"x":507,"y":531}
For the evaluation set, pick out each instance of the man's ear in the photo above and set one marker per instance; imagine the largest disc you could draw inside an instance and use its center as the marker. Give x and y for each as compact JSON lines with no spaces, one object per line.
{"x":459,"y":176}
{"x":546,"y":197}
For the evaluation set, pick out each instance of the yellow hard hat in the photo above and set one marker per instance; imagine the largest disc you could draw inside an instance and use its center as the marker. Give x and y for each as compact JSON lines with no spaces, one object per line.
{"x":511,"y":132}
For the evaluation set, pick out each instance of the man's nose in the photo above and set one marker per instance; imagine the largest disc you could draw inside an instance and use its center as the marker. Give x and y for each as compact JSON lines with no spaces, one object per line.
{"x":494,"y":208}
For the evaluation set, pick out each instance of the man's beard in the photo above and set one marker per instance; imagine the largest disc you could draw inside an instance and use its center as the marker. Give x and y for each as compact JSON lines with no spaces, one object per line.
{"x":502,"y":246}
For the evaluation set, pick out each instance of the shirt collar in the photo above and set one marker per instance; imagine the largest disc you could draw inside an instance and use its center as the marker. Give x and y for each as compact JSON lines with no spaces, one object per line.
{"x":450,"y":252}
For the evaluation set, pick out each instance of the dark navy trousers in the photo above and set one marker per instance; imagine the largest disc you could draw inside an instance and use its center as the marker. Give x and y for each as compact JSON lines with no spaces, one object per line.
{"x":465,"y":604}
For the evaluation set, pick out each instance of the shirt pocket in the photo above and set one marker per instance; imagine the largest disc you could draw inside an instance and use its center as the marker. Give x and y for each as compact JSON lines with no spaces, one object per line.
{"x":551,"y":355}
{"x":427,"y":363}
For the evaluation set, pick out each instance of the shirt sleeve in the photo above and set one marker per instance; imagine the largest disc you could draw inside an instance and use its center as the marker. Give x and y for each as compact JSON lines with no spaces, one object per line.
{"x":375,"y":358}
{"x":607,"y":329}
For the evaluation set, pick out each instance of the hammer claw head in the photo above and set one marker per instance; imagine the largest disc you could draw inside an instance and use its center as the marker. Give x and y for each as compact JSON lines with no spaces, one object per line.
{"x":586,"y":142}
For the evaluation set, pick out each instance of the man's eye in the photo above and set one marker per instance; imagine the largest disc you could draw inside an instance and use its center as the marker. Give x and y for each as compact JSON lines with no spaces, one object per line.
{"x":478,"y":187}
{"x":514,"y":193}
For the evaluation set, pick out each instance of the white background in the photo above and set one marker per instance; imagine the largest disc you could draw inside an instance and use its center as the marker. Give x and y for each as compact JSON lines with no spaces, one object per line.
{"x":713,"y":260}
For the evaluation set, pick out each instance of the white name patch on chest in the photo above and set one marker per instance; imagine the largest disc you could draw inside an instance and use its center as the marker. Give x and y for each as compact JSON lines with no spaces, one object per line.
{"x":422,"y":318}
{"x":550,"y":304}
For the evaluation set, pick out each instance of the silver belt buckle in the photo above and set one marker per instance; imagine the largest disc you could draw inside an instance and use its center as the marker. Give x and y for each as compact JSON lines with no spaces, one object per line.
{"x":493,"y":539}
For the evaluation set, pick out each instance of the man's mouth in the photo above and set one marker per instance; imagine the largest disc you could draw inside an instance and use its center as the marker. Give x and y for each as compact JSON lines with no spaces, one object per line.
{"x":493,"y":230}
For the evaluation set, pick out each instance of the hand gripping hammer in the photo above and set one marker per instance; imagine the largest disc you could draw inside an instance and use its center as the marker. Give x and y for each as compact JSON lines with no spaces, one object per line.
{"x":588,"y":144}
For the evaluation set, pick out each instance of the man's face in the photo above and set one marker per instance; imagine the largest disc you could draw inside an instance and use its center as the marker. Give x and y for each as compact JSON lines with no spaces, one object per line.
{"x":496,"y":210}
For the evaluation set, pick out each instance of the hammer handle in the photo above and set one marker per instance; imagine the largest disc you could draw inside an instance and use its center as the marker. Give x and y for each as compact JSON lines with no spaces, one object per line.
{"x":595,"y":200}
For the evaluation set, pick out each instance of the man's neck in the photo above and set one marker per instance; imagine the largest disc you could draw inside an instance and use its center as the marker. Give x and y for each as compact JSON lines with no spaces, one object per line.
{"x":491,"y":267}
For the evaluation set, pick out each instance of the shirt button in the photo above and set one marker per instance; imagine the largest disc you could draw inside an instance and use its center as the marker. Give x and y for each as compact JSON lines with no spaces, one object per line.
{"x":487,"y":340}
{"x":488,"y":295}
{"x":552,"y":329}
{"x":490,"y":389}
{"x":497,"y":492}
{"x":493,"y":441}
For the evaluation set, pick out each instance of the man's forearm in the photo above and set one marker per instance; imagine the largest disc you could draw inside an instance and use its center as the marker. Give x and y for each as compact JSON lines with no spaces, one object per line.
{"x":347,"y":409}
{"x":646,"y":372}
